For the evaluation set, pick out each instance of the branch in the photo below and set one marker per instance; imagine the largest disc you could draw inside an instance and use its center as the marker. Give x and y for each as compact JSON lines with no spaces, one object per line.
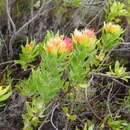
{"x":25,"y":25}
{"x":9,"y":16}
{"x":87,"y":100}
{"x":114,"y":78}
{"x":7,"y":62}
{"x":106,"y":75}
{"x":109,"y":53}
{"x":108,"y":100}
{"x":52,"y":116}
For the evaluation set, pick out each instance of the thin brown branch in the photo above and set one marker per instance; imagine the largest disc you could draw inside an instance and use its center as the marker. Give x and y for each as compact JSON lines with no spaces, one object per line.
{"x":89,"y":105}
{"x":39,"y":13}
{"x":53,"y":115}
{"x":7,"y":62}
{"x":119,"y":82}
{"x":106,"y":75}
{"x":9,"y":16}
{"x":108,"y":100}
{"x":114,"y":78}
{"x":87,"y":100}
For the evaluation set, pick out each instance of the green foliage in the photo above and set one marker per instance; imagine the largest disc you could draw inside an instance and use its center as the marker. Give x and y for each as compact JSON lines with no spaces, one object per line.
{"x":115,"y":9}
{"x":5,"y":93}
{"x":47,"y":79}
{"x":2,"y":6}
{"x":21,"y":7}
{"x":119,"y":71}
{"x":89,"y":125}
{"x":127,"y":100}
{"x":44,"y":82}
{"x":76,"y":3}
{"x":79,"y":68}
{"x":34,"y":111}
{"x":63,"y":67}
{"x":116,"y":125}
{"x":69,"y":117}
{"x":28,"y":54}
{"x":49,"y":35}
{"x":111,"y":35}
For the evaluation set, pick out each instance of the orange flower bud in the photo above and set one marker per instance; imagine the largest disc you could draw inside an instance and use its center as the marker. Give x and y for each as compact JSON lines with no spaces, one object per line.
{"x":78,"y":36}
{"x":29,"y":47}
{"x":112,"y":28}
{"x":84,"y":37}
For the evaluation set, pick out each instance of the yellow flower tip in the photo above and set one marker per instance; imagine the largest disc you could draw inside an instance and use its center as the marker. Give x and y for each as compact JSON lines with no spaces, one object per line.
{"x":100,"y":57}
{"x":62,"y":48}
{"x":84,"y":37}
{"x":113,"y":28}
{"x":0,"y":88}
{"x":58,"y":44}
{"x":29,"y":47}
{"x":77,"y":36}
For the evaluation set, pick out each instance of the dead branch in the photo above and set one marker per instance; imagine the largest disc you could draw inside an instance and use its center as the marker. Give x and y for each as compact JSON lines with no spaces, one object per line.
{"x":52,"y":116}
{"x":9,"y":16}
{"x":39,"y":13}
{"x":108,"y":100}
{"x":114,"y":78}
{"x":89,"y":105}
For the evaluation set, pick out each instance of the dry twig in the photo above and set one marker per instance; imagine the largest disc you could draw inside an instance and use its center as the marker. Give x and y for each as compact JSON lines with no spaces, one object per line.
{"x":114,"y":78}
{"x":89,"y":105}
{"x":9,"y":16}
{"x":39,"y":13}
{"x":52,"y":116}
{"x":108,"y":100}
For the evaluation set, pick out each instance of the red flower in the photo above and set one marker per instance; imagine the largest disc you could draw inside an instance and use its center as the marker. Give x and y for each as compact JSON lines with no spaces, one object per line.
{"x":69,"y":44}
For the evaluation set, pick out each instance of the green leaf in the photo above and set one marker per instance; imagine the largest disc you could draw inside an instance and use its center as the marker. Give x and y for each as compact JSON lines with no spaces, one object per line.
{"x":65,"y":109}
{"x":84,"y":85}
{"x":35,"y":121}
{"x":125,"y":78}
{"x":91,"y":127}
{"x":3,"y":91}
{"x":5,"y":96}
{"x":115,"y":9}
{"x":116,"y":124}
{"x":72,"y":117}
{"x":128,"y":127}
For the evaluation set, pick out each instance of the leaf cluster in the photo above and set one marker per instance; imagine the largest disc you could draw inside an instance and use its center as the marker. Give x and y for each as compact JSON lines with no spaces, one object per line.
{"x":114,"y":9}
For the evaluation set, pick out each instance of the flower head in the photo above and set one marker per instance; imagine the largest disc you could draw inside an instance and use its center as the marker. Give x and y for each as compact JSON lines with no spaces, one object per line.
{"x":84,"y":37}
{"x":78,"y":36}
{"x":113,"y":28}
{"x":59,"y":44}
{"x":29,"y":47}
